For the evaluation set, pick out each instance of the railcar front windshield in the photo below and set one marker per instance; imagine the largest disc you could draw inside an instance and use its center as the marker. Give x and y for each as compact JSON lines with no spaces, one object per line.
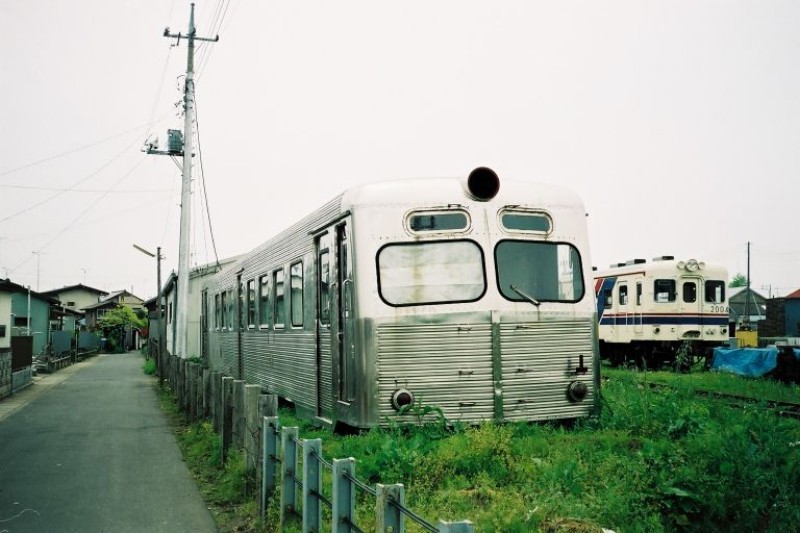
{"x":431,"y":272}
{"x":546,"y":271}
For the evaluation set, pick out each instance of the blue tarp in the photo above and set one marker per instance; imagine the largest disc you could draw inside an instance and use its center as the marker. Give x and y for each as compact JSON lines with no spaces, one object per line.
{"x":749,"y":362}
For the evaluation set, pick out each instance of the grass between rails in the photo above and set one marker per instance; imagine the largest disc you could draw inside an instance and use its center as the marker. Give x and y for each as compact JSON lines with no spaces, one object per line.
{"x":656,"y":460}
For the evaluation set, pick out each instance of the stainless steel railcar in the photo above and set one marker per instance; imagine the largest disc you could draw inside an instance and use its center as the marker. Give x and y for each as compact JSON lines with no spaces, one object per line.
{"x":648,"y":310}
{"x":456,"y":293}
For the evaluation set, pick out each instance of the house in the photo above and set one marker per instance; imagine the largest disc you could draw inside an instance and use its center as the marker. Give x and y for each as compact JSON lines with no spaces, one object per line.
{"x":746,"y":308}
{"x":24,"y":313}
{"x":76,"y":297}
{"x":96,"y":311}
{"x":783,"y":316}
{"x":197,"y":277}
{"x":24,"y":332}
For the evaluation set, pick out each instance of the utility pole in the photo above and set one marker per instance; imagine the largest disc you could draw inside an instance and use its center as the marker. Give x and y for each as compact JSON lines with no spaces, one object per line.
{"x":747,"y":291}
{"x":186,"y":186}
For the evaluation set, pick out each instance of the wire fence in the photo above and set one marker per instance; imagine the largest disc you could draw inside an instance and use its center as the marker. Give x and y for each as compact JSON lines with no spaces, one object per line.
{"x":285,"y":456}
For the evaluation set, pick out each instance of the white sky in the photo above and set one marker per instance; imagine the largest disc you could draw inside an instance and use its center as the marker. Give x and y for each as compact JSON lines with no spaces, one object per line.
{"x":678,"y":122}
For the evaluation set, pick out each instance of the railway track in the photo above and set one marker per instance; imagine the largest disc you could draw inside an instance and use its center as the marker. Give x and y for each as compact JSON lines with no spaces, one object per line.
{"x":779,"y":408}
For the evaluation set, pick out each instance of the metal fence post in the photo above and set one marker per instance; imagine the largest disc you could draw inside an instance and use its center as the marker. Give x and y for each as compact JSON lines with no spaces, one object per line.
{"x":464,"y":526}
{"x":312,"y":484}
{"x":389,"y":517}
{"x":343,"y":502}
{"x":269,"y":431}
{"x":288,"y":471}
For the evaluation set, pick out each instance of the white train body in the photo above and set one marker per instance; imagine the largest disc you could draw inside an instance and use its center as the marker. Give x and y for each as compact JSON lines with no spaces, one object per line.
{"x":647,"y":310}
{"x":399,"y":293}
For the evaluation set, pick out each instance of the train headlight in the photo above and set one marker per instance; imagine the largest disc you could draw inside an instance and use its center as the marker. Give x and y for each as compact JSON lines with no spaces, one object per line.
{"x":483,"y":184}
{"x":656,"y":330}
{"x":723,"y":330}
{"x":402,"y":398}
{"x":577,"y":391}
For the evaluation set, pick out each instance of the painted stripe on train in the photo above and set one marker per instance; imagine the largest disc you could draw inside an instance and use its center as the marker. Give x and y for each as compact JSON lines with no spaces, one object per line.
{"x":670,"y":319}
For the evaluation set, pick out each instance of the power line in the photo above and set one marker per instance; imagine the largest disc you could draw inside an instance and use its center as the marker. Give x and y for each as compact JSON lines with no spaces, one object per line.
{"x":75,"y":150}
{"x":80,"y":215}
{"x":35,"y":188}
{"x":203,"y":185}
{"x":93,"y":174}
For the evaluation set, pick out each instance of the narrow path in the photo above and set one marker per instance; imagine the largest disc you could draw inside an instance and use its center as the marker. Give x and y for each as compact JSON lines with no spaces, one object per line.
{"x":90,"y":450}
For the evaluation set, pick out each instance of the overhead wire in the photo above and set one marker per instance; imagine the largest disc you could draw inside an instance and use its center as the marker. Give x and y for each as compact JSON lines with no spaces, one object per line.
{"x":90,"y":176}
{"x":203,"y":185}
{"x":80,"y":215}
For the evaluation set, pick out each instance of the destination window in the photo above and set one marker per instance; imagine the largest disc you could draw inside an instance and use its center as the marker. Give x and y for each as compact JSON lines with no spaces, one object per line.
{"x":438,"y":221}
{"x":526,"y":221}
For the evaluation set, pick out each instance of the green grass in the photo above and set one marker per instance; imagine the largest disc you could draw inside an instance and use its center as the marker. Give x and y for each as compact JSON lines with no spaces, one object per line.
{"x":724,"y":382}
{"x":149,"y":367}
{"x":655,"y":460}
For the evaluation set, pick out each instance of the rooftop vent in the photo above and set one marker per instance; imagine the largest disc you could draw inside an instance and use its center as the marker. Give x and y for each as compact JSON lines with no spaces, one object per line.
{"x":635,"y":262}
{"x":664,"y":258}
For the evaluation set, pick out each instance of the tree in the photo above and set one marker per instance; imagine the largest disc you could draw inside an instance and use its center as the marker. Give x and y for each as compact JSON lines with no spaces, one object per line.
{"x":738,"y":280}
{"x":116,"y":322}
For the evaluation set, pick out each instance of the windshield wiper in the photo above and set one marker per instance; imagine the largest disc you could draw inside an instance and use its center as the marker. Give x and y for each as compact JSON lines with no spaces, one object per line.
{"x":526,"y":297}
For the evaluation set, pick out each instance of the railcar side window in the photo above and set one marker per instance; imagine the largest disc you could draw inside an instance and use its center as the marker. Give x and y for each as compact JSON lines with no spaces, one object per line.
{"x":251,"y":303}
{"x":431,"y":273}
{"x":296,"y":293}
{"x":438,"y":221}
{"x":224,"y":308}
{"x":623,"y":295}
{"x":523,"y":221}
{"x":715,"y":291}
{"x":231,"y":304}
{"x":280,"y":303}
{"x":543,"y":271}
{"x":217,"y":320}
{"x":264,"y":309}
{"x":664,"y":290}
{"x":689,"y":292}
{"x":324,"y":287}
{"x":638,"y":293}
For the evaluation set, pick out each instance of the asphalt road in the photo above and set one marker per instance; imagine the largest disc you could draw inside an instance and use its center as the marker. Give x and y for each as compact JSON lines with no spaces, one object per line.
{"x":94,"y":453}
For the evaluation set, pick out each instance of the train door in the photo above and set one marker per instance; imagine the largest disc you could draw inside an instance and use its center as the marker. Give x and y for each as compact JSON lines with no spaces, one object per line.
{"x":324,"y":363}
{"x":239,"y":321}
{"x":343,"y":317}
{"x":625,"y":319}
{"x":637,"y":313}
{"x":204,"y":325}
{"x":690,"y":302}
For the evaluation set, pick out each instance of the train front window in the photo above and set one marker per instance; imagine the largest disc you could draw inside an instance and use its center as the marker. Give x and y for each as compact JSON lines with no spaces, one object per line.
{"x":664,"y":290}
{"x":431,"y":272}
{"x":715,"y":291}
{"x":548,"y":272}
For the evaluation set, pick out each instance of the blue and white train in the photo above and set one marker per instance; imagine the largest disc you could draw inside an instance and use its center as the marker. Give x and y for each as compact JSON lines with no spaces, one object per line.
{"x":457,"y":293}
{"x":647,"y":311}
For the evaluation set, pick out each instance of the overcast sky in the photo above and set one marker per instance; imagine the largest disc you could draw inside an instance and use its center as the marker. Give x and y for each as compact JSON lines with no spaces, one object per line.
{"x":677,"y":122}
